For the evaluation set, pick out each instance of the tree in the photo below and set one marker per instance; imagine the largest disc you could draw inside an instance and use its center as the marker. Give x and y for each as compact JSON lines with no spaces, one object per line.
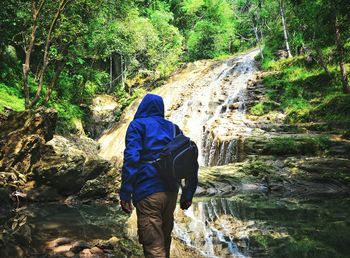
{"x":285,"y":30}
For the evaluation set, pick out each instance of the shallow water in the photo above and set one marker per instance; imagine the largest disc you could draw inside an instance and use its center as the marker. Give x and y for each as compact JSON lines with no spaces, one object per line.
{"x":264,"y":226}
{"x":27,"y":231}
{"x":241,"y":226}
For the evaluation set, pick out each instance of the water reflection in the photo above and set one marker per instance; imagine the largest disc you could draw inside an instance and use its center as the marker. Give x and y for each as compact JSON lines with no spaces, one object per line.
{"x":241,"y":226}
{"x":261,"y":226}
{"x":26,"y":232}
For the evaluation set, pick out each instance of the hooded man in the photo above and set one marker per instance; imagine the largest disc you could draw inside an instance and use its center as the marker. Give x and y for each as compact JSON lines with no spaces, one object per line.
{"x":153,"y":197}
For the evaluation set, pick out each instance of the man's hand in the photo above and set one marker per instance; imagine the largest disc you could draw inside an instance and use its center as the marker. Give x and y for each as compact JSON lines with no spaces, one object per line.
{"x":184,"y":205}
{"x":126,"y":206}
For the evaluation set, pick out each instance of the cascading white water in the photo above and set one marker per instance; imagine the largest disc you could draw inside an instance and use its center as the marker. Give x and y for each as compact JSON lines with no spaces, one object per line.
{"x":232,"y":110}
{"x":204,"y":228}
{"x":207,"y":100}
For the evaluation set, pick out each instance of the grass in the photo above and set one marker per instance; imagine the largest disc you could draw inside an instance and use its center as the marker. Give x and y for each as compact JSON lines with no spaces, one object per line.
{"x":9,"y":97}
{"x":303,"y":91}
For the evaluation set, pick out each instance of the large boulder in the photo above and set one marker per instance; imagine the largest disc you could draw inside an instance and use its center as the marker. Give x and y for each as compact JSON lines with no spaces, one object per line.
{"x":68,"y":163}
{"x":101,"y":115}
{"x":44,"y":165}
{"x":22,"y":137}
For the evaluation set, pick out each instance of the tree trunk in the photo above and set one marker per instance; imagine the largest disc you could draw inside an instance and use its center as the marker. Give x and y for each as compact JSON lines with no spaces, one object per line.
{"x":60,"y":9}
{"x":123,"y":71}
{"x":117,"y":68}
{"x":285,"y":31}
{"x":340,"y":55}
{"x":110,"y":73}
{"x":29,"y":48}
{"x":258,"y":41}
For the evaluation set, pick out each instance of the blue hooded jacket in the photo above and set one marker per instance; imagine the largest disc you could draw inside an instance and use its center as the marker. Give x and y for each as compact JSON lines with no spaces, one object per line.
{"x":147,"y":134}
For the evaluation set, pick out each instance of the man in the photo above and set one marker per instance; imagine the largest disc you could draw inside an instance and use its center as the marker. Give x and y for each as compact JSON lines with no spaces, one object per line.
{"x":153,"y":197}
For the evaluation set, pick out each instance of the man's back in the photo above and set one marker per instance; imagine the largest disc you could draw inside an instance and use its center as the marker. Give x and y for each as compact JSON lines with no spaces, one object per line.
{"x":147,"y":134}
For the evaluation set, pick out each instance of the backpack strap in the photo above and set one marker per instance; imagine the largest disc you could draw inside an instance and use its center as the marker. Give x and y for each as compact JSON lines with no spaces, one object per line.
{"x":174,"y":130}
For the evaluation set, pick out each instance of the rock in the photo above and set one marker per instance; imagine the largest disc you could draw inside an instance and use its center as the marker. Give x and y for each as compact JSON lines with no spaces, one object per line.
{"x":235,"y":105}
{"x":97,"y":251}
{"x":281,"y":54}
{"x":94,"y":188}
{"x":22,"y":137}
{"x":62,"y":249}
{"x":113,"y":241}
{"x":43,"y":193}
{"x":79,"y":246}
{"x":101,"y":115}
{"x":64,"y":162}
{"x":69,"y":254}
{"x":86,"y":253}
{"x":28,"y":147}
{"x":59,"y":241}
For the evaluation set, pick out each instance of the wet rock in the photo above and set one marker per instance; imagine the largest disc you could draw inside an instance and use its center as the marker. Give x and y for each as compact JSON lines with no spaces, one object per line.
{"x":28,"y":147}
{"x":94,"y":188}
{"x":235,"y":105}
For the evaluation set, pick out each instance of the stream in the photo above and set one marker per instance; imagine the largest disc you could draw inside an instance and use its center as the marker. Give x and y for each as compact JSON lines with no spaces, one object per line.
{"x":245,"y":225}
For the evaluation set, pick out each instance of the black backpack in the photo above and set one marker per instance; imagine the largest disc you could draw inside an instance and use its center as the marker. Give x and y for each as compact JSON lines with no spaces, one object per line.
{"x":178,"y":159}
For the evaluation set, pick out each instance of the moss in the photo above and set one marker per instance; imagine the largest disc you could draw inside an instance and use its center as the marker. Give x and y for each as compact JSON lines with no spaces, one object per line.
{"x":257,"y":168}
{"x":67,"y":113}
{"x":299,"y":146}
{"x":128,"y":248}
{"x":332,"y":108}
{"x":304,"y":247}
{"x":264,"y":107}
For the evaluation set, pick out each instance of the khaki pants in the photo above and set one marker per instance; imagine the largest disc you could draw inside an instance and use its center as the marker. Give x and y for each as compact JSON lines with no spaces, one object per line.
{"x":155,"y":221}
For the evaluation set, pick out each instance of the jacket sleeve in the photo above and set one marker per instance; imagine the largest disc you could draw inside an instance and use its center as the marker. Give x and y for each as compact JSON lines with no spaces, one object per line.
{"x":190,"y":187}
{"x":132,"y":154}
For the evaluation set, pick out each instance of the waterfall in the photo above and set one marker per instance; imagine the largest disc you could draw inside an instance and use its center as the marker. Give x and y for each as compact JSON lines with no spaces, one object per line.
{"x":207,"y":99}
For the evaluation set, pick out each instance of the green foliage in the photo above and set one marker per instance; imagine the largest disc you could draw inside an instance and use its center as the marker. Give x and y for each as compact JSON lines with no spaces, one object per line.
{"x":334,"y":107}
{"x":125,"y":99}
{"x":213,"y":33}
{"x":10,"y":97}
{"x":67,"y":112}
{"x":303,"y":91}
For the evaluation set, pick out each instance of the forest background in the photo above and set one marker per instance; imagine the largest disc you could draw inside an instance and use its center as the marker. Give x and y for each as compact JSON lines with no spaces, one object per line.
{"x":62,"y":53}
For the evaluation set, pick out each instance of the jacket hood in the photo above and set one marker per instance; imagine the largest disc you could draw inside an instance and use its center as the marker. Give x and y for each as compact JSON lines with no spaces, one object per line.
{"x":151,"y":105}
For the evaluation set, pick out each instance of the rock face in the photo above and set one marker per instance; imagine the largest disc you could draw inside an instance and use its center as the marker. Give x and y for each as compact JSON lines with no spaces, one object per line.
{"x":101,"y":115}
{"x":22,"y":137}
{"x":66,"y":167}
{"x":45,"y":165}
